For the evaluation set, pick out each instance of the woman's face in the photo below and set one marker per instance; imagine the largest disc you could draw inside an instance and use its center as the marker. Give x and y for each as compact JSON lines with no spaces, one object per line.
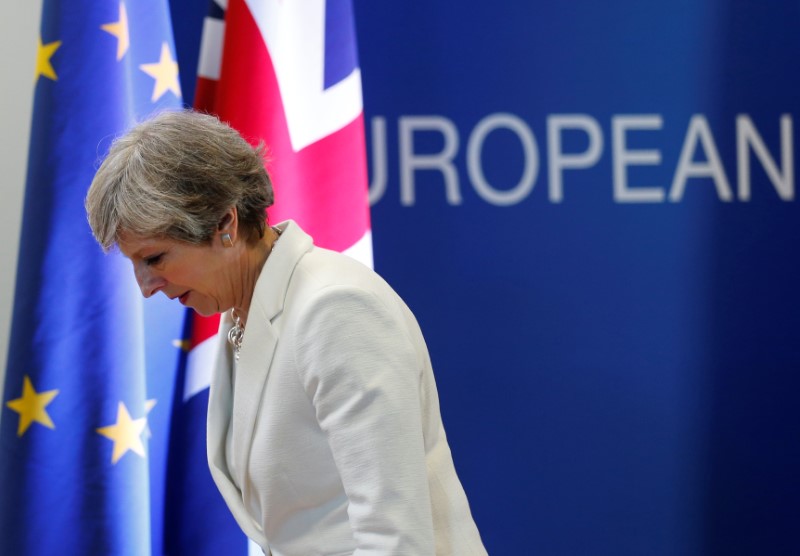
{"x":196,"y":275}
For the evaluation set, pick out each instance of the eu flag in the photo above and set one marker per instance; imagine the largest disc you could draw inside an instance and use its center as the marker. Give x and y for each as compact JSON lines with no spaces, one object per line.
{"x":91,"y":368}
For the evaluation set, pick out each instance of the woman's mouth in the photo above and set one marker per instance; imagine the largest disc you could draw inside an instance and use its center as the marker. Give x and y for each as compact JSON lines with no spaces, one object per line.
{"x":183,"y":298}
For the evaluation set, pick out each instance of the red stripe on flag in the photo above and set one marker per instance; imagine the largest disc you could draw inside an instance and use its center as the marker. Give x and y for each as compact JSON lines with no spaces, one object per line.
{"x":205,"y":94}
{"x":203,"y":328}
{"x":324,"y":186}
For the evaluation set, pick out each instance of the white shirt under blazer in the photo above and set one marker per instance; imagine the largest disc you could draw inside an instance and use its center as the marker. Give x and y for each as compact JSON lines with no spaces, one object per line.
{"x":326,"y":437}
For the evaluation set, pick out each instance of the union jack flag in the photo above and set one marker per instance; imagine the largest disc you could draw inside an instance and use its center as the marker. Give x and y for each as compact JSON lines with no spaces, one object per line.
{"x":285,"y":73}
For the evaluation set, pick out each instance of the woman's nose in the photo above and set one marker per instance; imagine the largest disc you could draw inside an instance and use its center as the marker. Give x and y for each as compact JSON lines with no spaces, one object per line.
{"x":149,"y":282}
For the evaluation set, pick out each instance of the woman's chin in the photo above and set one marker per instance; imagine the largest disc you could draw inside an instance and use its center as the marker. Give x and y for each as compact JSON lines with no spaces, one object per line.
{"x":202,"y":305}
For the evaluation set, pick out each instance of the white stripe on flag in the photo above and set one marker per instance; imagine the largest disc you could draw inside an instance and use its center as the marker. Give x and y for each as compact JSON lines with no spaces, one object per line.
{"x":362,"y":249}
{"x":253,"y":549}
{"x":200,"y":366}
{"x":294,"y":34}
{"x":211,"y":48}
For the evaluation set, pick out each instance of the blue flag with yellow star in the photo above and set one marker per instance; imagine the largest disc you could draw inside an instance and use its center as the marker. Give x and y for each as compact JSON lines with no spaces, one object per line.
{"x":91,"y":368}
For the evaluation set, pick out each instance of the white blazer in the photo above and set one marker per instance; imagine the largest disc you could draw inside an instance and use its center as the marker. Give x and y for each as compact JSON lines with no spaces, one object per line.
{"x":327,"y":439}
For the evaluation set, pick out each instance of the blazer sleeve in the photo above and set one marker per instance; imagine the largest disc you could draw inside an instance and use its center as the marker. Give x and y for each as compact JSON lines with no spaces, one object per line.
{"x":361,"y":371}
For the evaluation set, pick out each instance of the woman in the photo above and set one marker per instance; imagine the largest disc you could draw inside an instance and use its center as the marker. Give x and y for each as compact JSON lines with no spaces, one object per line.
{"x":324,"y":432}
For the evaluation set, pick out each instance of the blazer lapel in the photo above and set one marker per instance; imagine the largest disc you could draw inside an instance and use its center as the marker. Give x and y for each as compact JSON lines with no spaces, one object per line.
{"x":219,"y":409}
{"x":261,"y":335}
{"x":258,"y":348}
{"x":238,"y":405}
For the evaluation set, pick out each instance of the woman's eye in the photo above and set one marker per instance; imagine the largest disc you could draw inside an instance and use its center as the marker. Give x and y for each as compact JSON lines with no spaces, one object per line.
{"x":155,"y":259}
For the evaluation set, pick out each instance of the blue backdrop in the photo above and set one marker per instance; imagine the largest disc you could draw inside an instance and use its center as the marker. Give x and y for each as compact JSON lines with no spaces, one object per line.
{"x":591,"y":208}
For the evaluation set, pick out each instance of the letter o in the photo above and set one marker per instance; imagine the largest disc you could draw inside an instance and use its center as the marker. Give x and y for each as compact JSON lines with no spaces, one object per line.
{"x":525,"y":185}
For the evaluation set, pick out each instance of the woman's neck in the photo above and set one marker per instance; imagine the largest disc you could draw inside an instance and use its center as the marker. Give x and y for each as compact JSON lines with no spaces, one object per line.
{"x":254,"y":259}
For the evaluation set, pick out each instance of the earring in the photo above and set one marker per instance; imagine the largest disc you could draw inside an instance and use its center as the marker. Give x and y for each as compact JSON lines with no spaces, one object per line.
{"x":226,"y":240}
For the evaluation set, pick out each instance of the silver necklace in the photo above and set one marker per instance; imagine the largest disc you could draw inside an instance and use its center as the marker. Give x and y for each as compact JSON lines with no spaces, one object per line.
{"x":236,"y":332}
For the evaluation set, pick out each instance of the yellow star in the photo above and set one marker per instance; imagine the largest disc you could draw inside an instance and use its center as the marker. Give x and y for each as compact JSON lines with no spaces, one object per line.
{"x":183,"y":345}
{"x":31,"y":407}
{"x":165,"y":72}
{"x":120,"y":30}
{"x":43,"y":55}
{"x":126,"y":434}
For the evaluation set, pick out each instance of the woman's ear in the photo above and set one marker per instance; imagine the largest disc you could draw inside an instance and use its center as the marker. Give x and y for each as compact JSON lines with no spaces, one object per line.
{"x":229,"y":224}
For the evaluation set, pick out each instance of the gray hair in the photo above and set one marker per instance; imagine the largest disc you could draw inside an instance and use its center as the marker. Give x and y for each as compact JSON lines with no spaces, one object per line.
{"x":175,"y":176}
